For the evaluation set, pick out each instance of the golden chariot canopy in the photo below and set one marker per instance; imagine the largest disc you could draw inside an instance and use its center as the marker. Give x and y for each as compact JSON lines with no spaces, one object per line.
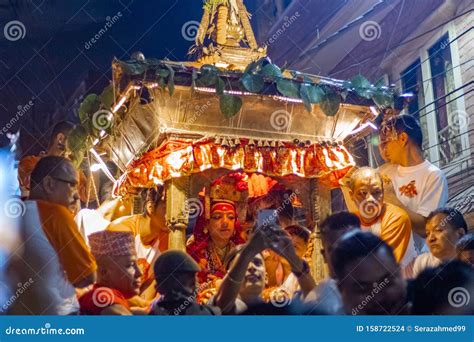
{"x":232,"y":108}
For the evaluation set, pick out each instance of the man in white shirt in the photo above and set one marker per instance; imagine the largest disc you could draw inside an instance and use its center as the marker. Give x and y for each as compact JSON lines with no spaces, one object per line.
{"x":417,"y":186}
{"x":444,"y":228}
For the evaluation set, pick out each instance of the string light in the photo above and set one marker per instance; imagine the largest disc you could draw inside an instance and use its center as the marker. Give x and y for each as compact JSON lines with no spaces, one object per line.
{"x":102,"y":164}
{"x":364,"y":126}
{"x":246,"y":93}
{"x":119,"y":104}
{"x":95,"y":167}
{"x":374,"y":111}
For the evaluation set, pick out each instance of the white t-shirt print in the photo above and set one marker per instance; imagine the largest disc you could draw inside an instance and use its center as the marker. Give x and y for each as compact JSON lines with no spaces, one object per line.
{"x":421,"y":188}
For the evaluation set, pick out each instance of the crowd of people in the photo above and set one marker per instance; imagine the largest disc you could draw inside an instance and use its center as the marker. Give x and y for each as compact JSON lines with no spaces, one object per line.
{"x":397,"y":250}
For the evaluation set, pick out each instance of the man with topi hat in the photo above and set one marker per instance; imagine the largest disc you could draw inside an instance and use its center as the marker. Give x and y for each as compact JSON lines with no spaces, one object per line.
{"x":175,"y":275}
{"x":118,"y":274}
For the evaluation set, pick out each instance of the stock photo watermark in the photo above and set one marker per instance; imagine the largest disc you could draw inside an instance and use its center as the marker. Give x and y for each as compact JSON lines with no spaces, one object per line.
{"x":110,"y":21}
{"x":370,"y":30}
{"x":14,"y":208}
{"x":21,"y":288}
{"x":191,"y":299}
{"x":378,"y":287}
{"x":102,"y":119}
{"x":14,"y":30}
{"x":458,"y":297}
{"x":103,"y":297}
{"x":193,"y":207}
{"x":200,"y":110}
{"x":280,"y":120}
{"x":288,"y":21}
{"x":189,"y":30}
{"x":22,"y":110}
{"x":46,"y":330}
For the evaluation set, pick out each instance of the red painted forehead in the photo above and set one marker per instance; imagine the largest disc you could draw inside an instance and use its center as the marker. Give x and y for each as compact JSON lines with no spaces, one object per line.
{"x":223,"y":206}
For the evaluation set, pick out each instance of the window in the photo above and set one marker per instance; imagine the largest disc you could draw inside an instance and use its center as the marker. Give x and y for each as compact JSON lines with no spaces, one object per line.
{"x":442,"y":78}
{"x":412,"y":82}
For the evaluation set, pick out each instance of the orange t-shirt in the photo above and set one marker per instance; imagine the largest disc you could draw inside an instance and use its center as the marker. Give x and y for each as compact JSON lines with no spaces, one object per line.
{"x":62,"y":232}
{"x":394,"y":228}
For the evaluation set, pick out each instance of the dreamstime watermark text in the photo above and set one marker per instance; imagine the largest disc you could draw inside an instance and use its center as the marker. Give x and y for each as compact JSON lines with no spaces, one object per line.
{"x":46,"y":330}
{"x":22,"y":110}
{"x":110,"y":21}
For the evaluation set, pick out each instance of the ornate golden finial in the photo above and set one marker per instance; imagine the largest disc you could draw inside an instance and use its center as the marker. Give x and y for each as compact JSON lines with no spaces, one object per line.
{"x":232,"y":41}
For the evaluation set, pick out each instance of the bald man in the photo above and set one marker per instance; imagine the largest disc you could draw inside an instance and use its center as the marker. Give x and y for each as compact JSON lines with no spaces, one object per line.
{"x":389,"y":222}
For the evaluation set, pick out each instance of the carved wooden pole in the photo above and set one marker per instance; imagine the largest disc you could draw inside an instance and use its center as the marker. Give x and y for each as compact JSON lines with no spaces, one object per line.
{"x":177,"y":192}
{"x":321,"y":205}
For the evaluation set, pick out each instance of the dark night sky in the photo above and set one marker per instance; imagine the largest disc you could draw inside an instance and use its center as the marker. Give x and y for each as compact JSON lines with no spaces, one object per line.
{"x":49,"y":63}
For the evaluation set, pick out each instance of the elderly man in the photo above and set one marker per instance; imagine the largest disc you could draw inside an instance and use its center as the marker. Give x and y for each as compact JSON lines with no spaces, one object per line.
{"x":389,"y":222}
{"x":368,"y":276}
{"x":118,"y":274}
{"x":55,"y":257}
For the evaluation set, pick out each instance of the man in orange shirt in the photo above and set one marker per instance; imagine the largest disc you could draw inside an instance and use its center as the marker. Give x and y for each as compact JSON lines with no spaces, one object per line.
{"x":383,"y":219}
{"x":56,"y":259}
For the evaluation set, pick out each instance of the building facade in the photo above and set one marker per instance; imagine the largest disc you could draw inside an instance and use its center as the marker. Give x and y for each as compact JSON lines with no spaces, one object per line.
{"x":423,"y":47}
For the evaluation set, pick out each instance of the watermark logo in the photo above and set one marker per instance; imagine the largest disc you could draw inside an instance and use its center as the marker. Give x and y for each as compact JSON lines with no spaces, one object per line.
{"x":189,"y":30}
{"x":102,"y":119}
{"x":14,"y":30}
{"x":194,"y":207}
{"x":280,"y":119}
{"x":14,"y":208}
{"x":280,"y":298}
{"x":370,"y":209}
{"x":370,"y":30}
{"x":459,"y":296}
{"x":103,"y":297}
{"x":460,"y":119}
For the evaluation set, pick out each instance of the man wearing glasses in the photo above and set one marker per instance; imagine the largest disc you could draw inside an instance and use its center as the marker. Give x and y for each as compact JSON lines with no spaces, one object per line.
{"x":55,"y":257}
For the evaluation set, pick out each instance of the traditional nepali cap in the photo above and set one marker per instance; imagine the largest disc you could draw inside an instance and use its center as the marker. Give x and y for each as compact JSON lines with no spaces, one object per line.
{"x":107,"y":243}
